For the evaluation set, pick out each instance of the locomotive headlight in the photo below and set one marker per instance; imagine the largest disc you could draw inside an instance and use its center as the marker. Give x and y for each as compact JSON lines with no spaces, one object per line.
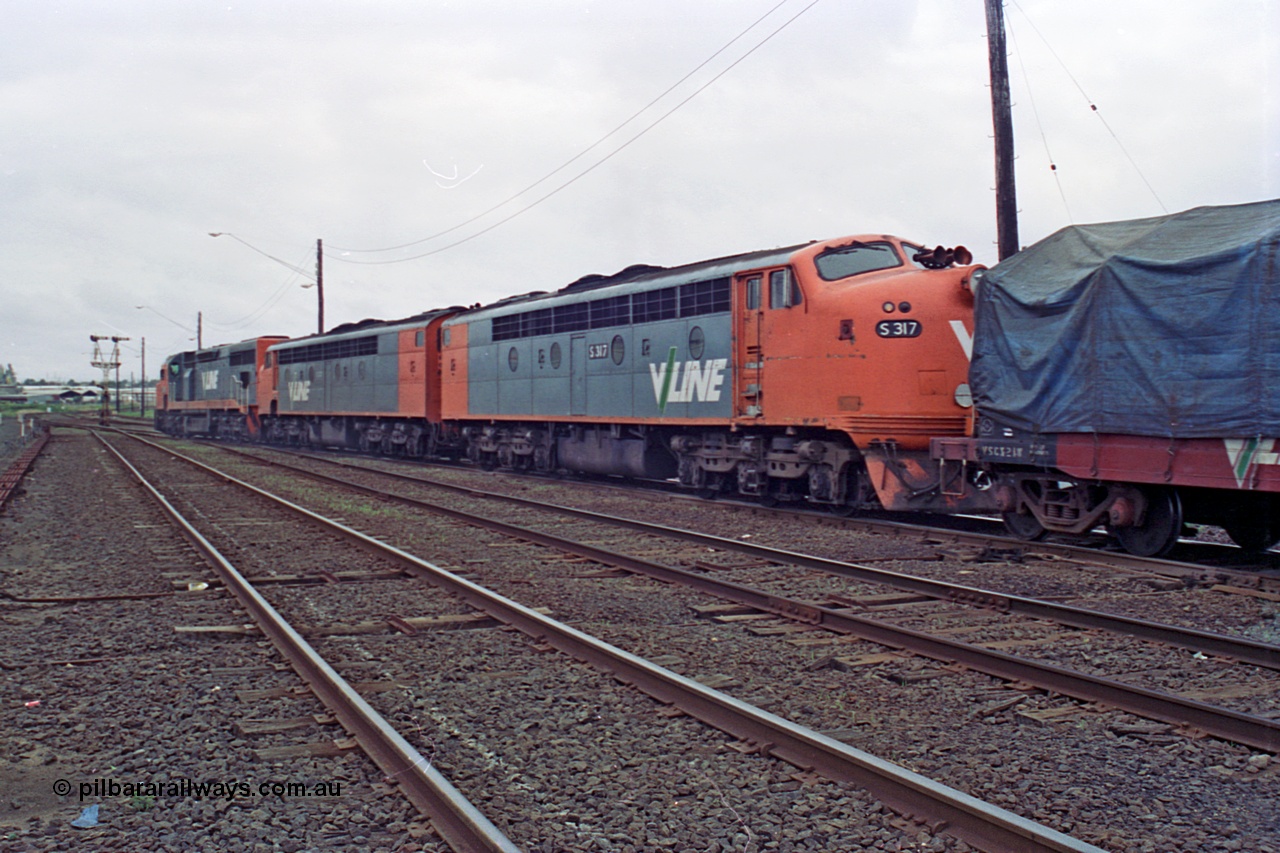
{"x":888,"y":307}
{"x":973,"y":279}
{"x":964,"y":396}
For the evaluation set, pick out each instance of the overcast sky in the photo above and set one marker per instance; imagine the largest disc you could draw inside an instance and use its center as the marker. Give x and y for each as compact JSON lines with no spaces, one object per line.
{"x":132,"y":129}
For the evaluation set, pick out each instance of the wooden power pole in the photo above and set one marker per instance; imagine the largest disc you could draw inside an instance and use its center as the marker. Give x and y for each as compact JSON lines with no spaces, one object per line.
{"x":1002,"y":120}
{"x":320,"y":284}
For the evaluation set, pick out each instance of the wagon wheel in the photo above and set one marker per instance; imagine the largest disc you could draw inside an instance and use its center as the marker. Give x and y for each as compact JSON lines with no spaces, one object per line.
{"x":1024,"y":526}
{"x":1159,"y":531}
{"x":1255,"y":535}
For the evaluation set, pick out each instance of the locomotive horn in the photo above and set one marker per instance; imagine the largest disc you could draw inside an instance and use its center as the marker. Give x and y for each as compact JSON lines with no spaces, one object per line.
{"x":942,"y":257}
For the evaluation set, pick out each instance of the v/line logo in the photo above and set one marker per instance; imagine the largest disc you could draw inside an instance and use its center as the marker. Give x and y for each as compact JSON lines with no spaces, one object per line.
{"x":1244,"y":453}
{"x":687,"y":381}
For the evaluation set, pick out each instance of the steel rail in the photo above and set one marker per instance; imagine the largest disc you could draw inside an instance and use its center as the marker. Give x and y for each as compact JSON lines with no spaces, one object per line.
{"x":1234,"y":726}
{"x":1236,"y":648}
{"x":1189,"y":573}
{"x":458,"y":821}
{"x":12,"y":477}
{"x":978,"y":823}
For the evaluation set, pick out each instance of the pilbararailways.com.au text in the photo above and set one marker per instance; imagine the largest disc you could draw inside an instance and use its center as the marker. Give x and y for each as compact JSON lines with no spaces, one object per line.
{"x":190,"y":789}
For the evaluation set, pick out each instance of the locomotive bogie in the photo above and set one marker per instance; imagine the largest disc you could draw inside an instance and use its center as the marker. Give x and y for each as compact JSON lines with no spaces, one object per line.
{"x":772,"y":465}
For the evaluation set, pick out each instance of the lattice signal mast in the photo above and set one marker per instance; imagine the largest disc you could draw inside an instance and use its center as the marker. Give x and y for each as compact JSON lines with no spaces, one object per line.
{"x":106,"y":364}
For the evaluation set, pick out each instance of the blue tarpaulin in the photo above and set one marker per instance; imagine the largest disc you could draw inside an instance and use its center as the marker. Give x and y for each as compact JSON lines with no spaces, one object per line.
{"x":1168,"y":326}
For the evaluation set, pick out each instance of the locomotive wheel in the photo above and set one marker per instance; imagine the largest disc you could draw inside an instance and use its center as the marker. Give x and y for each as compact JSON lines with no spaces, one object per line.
{"x":1024,"y":526}
{"x":1254,"y":537}
{"x":1159,"y":532}
{"x":715,"y":486}
{"x":859,"y":493}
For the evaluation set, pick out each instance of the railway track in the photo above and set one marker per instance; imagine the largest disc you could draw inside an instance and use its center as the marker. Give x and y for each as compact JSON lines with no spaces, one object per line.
{"x":821,"y":656}
{"x":1248,"y":729}
{"x":987,"y":827}
{"x":11,"y":477}
{"x":1203,"y":563}
{"x":458,"y":821}
{"x":178,"y":739}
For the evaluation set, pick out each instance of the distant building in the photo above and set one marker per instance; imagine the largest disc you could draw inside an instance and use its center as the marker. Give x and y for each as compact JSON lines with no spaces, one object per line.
{"x":56,"y":394}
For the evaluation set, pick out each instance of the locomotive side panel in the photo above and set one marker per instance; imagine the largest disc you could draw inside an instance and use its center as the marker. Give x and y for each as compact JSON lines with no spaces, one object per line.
{"x":350,"y":374}
{"x":659,"y":353}
{"x":515,"y":377}
{"x":455,"y":372}
{"x":414,"y":373}
{"x":685,"y":369}
{"x":480,"y":356}
{"x":608,"y":371}
{"x":552,"y":369}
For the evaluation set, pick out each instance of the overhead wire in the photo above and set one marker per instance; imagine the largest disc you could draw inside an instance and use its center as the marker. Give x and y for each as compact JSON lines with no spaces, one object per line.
{"x":272,"y":300}
{"x":1093,"y":107}
{"x":1053,"y":166}
{"x":594,"y":145}
{"x":581,"y":153}
{"x":299,"y":270}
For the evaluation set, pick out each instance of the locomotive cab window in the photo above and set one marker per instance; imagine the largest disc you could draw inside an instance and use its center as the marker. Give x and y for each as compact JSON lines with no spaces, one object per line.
{"x":753,"y":293}
{"x":783,"y":291}
{"x":855,"y":259}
